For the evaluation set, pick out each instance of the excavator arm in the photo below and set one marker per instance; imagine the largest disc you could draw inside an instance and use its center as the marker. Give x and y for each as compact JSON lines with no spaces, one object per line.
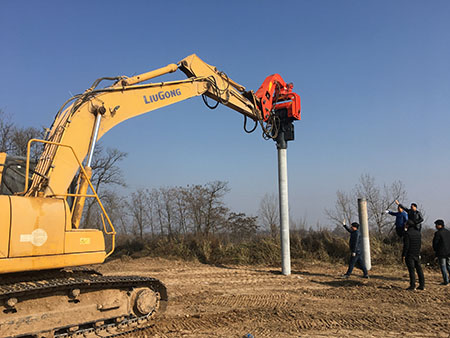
{"x":97,"y":110}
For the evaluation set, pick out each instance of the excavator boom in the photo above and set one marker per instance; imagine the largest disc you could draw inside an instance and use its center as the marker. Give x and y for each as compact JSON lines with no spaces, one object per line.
{"x":128,"y":98}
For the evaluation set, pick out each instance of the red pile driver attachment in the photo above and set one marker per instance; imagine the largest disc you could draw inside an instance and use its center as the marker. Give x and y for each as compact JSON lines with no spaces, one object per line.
{"x":275,"y":94}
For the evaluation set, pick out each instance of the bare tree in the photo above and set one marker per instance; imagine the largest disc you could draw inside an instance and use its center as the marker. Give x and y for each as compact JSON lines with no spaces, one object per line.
{"x":105,"y":172}
{"x":344,"y":209}
{"x":299,"y":224}
{"x":167,"y":196}
{"x":159,"y":209}
{"x":151,"y":199}
{"x":241,"y":226}
{"x":137,"y":207}
{"x":397,"y":191}
{"x":14,"y":140}
{"x":269,"y":214}
{"x":195,"y":199}
{"x":215,"y":208}
{"x":118,"y":210}
{"x":205,"y":206}
{"x":6,"y":132}
{"x":180,"y":209}
{"x":378,"y":200}
{"x":105,"y":169}
{"x":20,"y":138}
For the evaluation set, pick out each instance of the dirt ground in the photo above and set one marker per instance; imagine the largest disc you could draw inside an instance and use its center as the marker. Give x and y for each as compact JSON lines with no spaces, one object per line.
{"x":246,"y":301}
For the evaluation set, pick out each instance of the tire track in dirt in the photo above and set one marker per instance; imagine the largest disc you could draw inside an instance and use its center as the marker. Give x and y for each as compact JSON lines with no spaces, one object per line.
{"x":252,"y":301}
{"x":391,"y":295}
{"x":208,"y":301}
{"x":226,"y":278}
{"x":285,"y":317}
{"x":268,"y":323}
{"x":195,"y":323}
{"x":333,"y":320}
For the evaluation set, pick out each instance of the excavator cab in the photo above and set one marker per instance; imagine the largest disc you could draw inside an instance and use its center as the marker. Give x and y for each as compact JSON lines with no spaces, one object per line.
{"x":12,"y":173}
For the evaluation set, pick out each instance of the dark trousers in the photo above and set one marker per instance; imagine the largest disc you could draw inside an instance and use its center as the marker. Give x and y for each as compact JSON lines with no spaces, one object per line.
{"x":359,"y":262}
{"x":413,"y":264}
{"x":400,"y":230}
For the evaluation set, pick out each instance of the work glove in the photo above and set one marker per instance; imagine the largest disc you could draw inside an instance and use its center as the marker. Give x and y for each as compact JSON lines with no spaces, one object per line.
{"x":353,"y":254}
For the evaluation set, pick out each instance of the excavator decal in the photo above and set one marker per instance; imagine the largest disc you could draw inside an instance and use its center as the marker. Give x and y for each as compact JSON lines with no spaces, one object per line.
{"x":162,"y":95}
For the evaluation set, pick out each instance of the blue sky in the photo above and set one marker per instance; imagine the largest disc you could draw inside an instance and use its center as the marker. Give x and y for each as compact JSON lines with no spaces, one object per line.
{"x":374,"y":78}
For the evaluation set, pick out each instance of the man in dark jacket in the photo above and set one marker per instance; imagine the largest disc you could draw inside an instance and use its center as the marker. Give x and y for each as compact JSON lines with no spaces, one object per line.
{"x":414,"y":215}
{"x":441,"y":246}
{"x":400,"y":220}
{"x":355,"y":249}
{"x":412,"y":242}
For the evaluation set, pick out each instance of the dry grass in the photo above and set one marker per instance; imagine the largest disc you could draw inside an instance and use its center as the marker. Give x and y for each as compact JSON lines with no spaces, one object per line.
{"x":320,"y":245}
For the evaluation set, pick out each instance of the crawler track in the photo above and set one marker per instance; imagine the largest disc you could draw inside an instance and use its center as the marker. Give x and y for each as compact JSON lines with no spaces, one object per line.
{"x":52,"y":288}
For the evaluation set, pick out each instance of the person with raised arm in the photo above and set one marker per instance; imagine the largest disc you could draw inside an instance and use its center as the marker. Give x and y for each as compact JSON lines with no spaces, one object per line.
{"x":414,"y":215}
{"x":355,"y":245}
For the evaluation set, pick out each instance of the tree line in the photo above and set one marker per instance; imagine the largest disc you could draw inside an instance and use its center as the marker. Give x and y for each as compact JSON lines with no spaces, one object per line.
{"x":174,"y":211}
{"x":197,"y":208}
{"x":169,"y":211}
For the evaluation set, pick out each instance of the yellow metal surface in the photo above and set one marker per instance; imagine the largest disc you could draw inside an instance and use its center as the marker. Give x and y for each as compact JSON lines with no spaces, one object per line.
{"x":8,"y":265}
{"x":228,"y":92}
{"x":84,"y":241}
{"x":79,"y":201}
{"x":86,"y":174}
{"x":198,"y":67}
{"x":144,"y":98}
{"x":120,"y":105}
{"x":149,"y":75}
{"x":37,"y":226}
{"x":5,"y":222}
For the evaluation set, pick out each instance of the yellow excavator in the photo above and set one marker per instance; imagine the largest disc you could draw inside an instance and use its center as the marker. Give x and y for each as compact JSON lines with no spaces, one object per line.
{"x":46,"y":290}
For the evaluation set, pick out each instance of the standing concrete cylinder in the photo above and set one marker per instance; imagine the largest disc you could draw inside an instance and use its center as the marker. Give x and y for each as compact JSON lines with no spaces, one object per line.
{"x":364,"y":222}
{"x":284,"y":211}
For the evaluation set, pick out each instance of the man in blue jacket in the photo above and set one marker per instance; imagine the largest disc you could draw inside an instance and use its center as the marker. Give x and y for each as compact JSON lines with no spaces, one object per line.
{"x":401,"y":217}
{"x":355,"y":244}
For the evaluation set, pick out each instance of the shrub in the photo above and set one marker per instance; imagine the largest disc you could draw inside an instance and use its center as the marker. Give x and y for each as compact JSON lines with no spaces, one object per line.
{"x":264,"y":249}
